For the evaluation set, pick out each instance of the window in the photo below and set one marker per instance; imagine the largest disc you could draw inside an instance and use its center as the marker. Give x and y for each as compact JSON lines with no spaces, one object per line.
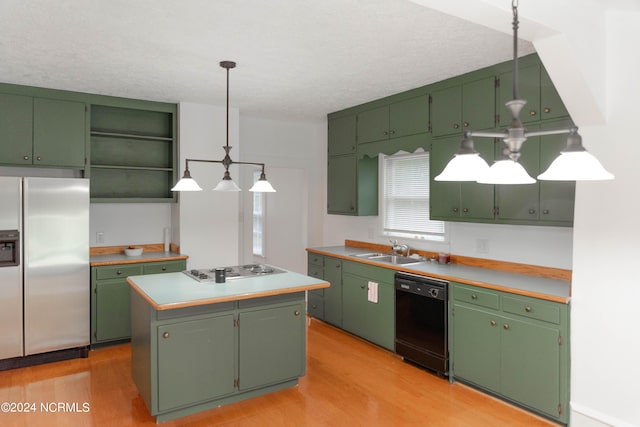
{"x":406,"y":198}
{"x":259,"y":208}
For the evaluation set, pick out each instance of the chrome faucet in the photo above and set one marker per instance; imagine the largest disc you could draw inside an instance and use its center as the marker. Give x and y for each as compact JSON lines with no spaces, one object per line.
{"x":403,"y":249}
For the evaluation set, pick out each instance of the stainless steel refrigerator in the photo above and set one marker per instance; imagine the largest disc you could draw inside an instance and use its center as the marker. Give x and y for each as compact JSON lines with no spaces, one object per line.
{"x":44,"y":284}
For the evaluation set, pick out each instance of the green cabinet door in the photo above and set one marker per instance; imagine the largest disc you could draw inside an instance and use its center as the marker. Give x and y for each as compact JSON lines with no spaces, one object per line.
{"x":271,"y":345}
{"x":459,"y":201}
{"x":369,"y":320}
{"x":530,"y":364}
{"x":557,"y":198}
{"x":478,"y":100}
{"x":446,"y":111}
{"x":522,"y":202}
{"x":59,"y":133}
{"x":16,"y":129}
{"x":409,"y":117}
{"x":196,"y":361}
{"x":333,"y":294}
{"x":529,"y":90}
{"x":476,"y":346}
{"x":342,"y":135}
{"x":373,"y":125}
{"x":551,"y":104}
{"x":113,"y":312}
{"x":341,"y":185}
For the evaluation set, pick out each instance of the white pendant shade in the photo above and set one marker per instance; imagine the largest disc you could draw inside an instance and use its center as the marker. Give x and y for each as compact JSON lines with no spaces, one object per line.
{"x":576,"y":166}
{"x":186,"y":184}
{"x":464,"y":167}
{"x":506,"y":172}
{"x":262,"y":186}
{"x":226,"y":185}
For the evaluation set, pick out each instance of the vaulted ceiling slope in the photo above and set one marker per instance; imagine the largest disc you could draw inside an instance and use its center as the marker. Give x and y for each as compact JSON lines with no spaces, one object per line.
{"x":297,"y":59}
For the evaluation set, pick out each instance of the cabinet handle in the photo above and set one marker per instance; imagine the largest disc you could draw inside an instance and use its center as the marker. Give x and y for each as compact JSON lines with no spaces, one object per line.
{"x":38,"y":158}
{"x":164,"y":268}
{"x":474,"y":296}
{"x":296,"y":313}
{"x":465,"y":124}
{"x":363,"y":287}
{"x":165,"y":335}
{"x":118,"y":272}
{"x":547,"y":109}
{"x":456,"y":125}
{"x":545,"y":211}
{"x":386,"y":133}
{"x":532,"y":211}
{"x":493,"y":323}
{"x":393,"y":132}
{"x":527,"y":309}
{"x":532,"y":113}
{"x":314,"y":306}
{"x":506,"y":326}
{"x":455,"y":210}
{"x":465,"y":210}
{"x":26,"y":157}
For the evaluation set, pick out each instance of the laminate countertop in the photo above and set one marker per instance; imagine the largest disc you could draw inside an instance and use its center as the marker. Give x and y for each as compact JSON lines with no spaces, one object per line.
{"x":522,"y":284}
{"x":177,"y":290}
{"x":121,"y":258}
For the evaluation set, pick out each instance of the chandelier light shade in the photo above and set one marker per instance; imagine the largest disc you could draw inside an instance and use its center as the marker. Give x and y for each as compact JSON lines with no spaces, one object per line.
{"x":573,"y":164}
{"x":187,"y":183}
{"x":466,"y":164}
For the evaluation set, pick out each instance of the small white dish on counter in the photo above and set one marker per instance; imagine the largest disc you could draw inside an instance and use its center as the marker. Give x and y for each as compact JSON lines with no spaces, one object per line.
{"x":133,"y":251}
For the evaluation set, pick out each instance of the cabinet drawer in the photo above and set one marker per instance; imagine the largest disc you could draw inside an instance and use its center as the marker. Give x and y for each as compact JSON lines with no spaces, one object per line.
{"x":371,"y":272}
{"x":164,"y":267}
{"x":117,"y":271}
{"x":476,"y":296}
{"x":315,"y":259}
{"x":315,"y":270}
{"x":315,"y":305}
{"x":534,"y":309}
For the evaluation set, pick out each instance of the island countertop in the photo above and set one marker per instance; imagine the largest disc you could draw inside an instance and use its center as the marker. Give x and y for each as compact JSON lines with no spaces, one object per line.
{"x":177,"y":290}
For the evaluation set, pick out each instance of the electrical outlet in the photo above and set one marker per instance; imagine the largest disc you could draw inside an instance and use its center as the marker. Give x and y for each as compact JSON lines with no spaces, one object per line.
{"x":100,"y":237}
{"x":482,"y":246}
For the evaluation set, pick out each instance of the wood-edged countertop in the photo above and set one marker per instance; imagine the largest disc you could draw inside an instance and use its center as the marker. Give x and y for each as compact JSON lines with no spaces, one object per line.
{"x":177,"y":290}
{"x":113,"y":255}
{"x":547,"y":288}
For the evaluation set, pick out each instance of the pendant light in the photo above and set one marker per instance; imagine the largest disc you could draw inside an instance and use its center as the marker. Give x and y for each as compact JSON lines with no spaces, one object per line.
{"x":187,"y":183}
{"x":573,"y":164}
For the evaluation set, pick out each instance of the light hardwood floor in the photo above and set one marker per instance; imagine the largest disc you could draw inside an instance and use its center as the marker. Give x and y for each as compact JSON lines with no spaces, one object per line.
{"x":349,"y":382}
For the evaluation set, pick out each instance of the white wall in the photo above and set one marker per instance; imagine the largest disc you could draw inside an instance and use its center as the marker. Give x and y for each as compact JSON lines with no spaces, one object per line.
{"x":294,"y":153}
{"x":123,"y":224}
{"x":207,"y":222}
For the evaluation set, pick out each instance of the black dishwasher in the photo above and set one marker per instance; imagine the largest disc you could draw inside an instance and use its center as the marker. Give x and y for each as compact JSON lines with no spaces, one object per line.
{"x":421,"y":321}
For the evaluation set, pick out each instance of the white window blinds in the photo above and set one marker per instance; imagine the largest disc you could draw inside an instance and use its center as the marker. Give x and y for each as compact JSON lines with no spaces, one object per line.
{"x":259,"y":203}
{"x":406,"y":198}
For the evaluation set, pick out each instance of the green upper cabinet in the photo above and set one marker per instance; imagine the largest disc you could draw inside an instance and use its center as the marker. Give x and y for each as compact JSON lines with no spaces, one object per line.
{"x":543,"y":101}
{"x":16,"y":129}
{"x":133,"y":152}
{"x":544,"y":202}
{"x":459,"y":201}
{"x":352,"y":185}
{"x":42,"y":132}
{"x":395,"y":120}
{"x":342,"y":135}
{"x":467,"y":106}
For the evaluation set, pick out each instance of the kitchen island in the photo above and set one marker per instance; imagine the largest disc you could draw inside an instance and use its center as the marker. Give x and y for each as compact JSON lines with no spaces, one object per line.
{"x":200,"y":345}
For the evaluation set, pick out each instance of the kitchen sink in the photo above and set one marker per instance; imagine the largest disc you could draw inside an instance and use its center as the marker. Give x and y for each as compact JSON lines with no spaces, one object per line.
{"x":394,"y":259}
{"x":388,"y":258}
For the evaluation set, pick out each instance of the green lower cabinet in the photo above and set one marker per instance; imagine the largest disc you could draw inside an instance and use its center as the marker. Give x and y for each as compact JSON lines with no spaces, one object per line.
{"x":110,"y":302}
{"x":514,"y":346}
{"x":269,"y":343}
{"x":373,"y":321}
{"x":196,"y":361}
{"x":333,"y":294}
{"x":196,"y":358}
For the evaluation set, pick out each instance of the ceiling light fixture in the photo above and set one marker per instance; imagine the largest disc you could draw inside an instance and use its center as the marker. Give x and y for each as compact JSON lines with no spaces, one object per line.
{"x":187,"y":183}
{"x":573,"y":164}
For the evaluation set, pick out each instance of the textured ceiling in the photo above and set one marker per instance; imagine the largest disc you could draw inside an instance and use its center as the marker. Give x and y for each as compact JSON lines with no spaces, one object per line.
{"x":299,"y":59}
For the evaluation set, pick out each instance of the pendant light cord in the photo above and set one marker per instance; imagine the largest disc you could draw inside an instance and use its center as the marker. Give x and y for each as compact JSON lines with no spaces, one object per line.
{"x":514,"y":7}
{"x":227,"y":109}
